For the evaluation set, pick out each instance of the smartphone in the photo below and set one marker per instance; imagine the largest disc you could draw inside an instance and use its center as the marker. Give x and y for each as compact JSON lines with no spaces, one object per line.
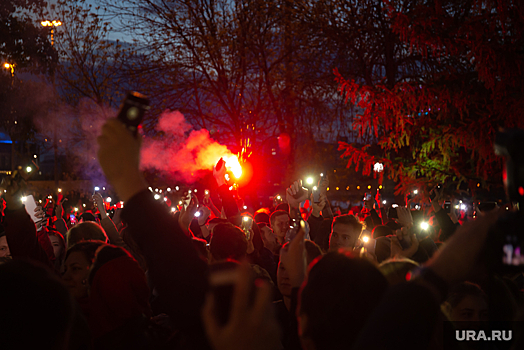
{"x":447,"y":207}
{"x":367,"y":197}
{"x":72,"y":219}
{"x":247,"y":225}
{"x":133,"y":110}
{"x":293,"y":229}
{"x":392,"y":212}
{"x":316,"y":194}
{"x":30,"y":206}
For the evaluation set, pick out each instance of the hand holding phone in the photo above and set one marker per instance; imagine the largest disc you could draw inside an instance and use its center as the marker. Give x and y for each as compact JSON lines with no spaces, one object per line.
{"x":133,"y":110}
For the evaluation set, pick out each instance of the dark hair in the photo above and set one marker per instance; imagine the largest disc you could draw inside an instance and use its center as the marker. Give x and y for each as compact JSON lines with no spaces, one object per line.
{"x":395,"y":270}
{"x":227,"y":242}
{"x":200,"y":246}
{"x":217,"y":221}
{"x":348,"y":219}
{"x":262,"y":217}
{"x":312,"y":251}
{"x":283,"y":207}
{"x":381,"y":231}
{"x":88,"y":248}
{"x":462,"y":290}
{"x":33,"y":299}
{"x":104,"y":254}
{"x":276,"y":214}
{"x":86,"y":231}
{"x":2,"y":231}
{"x":335,"y":305}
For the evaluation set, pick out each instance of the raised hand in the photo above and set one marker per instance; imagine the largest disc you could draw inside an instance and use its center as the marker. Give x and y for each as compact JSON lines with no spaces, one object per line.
{"x":99,"y":203}
{"x":250,"y":326}
{"x":220,"y":173}
{"x":119,"y":157}
{"x":187,"y":214}
{"x":318,"y":207}
{"x":293,"y":257}
{"x":404,"y":217}
{"x":293,"y":190}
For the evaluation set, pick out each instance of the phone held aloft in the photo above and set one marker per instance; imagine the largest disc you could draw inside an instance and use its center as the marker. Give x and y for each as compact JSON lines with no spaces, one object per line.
{"x":247,"y":225}
{"x":133,"y":110}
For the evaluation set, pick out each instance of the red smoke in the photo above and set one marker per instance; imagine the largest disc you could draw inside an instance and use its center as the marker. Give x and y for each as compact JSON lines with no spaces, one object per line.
{"x":175,"y":152}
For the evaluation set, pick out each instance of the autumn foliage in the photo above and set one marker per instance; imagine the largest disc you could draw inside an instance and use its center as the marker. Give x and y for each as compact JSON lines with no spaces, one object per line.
{"x":438,"y":123}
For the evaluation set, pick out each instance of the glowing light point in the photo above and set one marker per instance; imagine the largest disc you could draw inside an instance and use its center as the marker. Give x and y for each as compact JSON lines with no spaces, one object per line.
{"x":378,"y":167}
{"x":84,"y":205}
{"x":157,"y":196}
{"x":150,"y":189}
{"x":76,"y":209}
{"x":309,"y":180}
{"x":177,"y":188}
{"x":173,"y":209}
{"x":424,"y":225}
{"x":197,"y":214}
{"x":245,"y":207}
{"x":23,"y":199}
{"x":108,"y":199}
{"x":195,"y":190}
{"x":278,"y":197}
{"x":233,"y":165}
{"x":369,"y":187}
{"x":59,"y":190}
{"x":365,"y":239}
{"x":314,"y":188}
{"x":156,"y":189}
{"x":415,"y":192}
{"x":28,"y":169}
{"x":246,"y":219}
{"x":463,"y":207}
{"x":169,"y":189}
{"x":165,"y":199}
{"x":384,"y":202}
{"x":97,"y":188}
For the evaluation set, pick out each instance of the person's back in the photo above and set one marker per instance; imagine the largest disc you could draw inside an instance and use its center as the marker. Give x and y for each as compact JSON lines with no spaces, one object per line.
{"x":339,"y":294}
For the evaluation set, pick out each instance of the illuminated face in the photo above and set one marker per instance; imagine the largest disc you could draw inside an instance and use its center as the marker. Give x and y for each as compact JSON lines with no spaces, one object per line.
{"x":57,"y":246}
{"x":76,"y":273}
{"x":269,"y":239}
{"x":4,"y":248}
{"x":280,"y":227}
{"x":343,"y":236}
{"x":470,"y":310}
{"x":283,"y":283}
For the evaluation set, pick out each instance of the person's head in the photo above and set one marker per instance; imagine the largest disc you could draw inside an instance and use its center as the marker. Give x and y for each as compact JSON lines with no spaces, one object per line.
{"x":283,"y":207}
{"x":345,"y":232}
{"x":200,"y":246}
{"x":36,"y":301}
{"x":381,"y":231}
{"x":78,"y":261}
{"x":227,"y":242}
{"x":466,"y":304}
{"x":280,"y":221}
{"x":339,"y":294}
{"x":262,"y":215}
{"x":118,"y":290}
{"x":85,"y":231}
{"x":395,"y":270}
{"x":4,"y":247}
{"x":215,"y":221}
{"x":58,"y":243}
{"x":268,"y":237}
{"x":312,"y":252}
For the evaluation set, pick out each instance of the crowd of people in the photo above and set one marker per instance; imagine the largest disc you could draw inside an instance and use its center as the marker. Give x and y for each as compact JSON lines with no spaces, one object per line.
{"x":206,"y":274}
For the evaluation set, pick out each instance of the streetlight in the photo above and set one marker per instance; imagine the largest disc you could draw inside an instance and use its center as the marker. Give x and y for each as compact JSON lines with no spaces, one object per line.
{"x":51,"y":24}
{"x":11,"y":67}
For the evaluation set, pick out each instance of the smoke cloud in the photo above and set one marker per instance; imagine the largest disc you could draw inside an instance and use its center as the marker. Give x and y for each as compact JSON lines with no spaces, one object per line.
{"x":179,"y":150}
